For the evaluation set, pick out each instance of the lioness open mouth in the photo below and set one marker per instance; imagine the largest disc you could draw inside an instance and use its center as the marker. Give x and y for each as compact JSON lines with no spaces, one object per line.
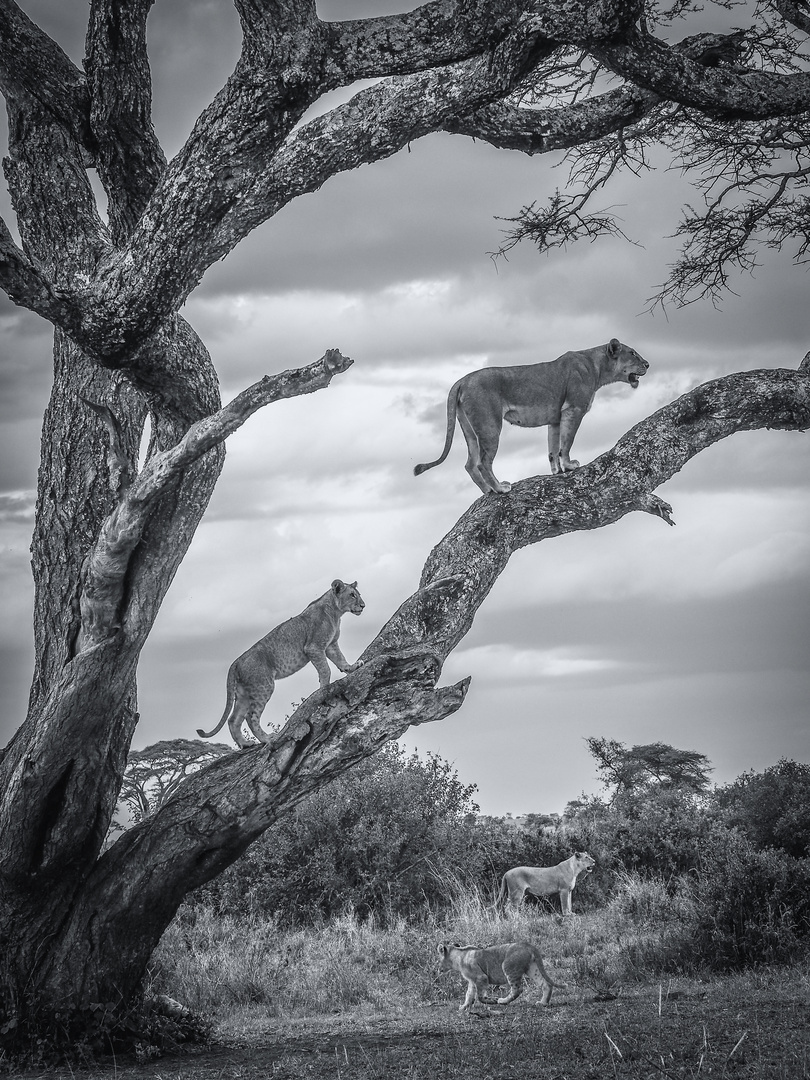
{"x":633,"y":380}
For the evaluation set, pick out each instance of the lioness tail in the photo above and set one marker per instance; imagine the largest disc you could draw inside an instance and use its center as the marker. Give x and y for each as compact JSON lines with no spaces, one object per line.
{"x":452,"y":406}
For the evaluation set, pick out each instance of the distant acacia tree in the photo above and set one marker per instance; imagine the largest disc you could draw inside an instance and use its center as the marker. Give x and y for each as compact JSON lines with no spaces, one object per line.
{"x":155,"y":773}
{"x":632,"y":770}
{"x":77,"y":926}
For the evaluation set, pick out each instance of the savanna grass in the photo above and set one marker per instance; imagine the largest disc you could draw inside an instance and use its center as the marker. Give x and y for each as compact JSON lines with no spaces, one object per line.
{"x":216,"y":963}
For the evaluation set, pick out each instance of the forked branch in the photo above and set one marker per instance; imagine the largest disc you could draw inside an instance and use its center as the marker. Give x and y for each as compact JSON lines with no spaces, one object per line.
{"x":107,"y":564}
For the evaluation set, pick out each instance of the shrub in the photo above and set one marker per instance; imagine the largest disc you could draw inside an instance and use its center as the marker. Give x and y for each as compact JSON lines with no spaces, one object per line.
{"x":653,"y":833}
{"x":378,"y":839}
{"x":753,"y":907}
{"x":772,"y":808}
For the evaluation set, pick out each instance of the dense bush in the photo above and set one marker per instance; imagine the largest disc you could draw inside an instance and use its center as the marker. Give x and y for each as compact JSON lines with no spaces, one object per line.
{"x":772,"y":808}
{"x":658,"y":833}
{"x":386,"y":837}
{"x":752,"y":907}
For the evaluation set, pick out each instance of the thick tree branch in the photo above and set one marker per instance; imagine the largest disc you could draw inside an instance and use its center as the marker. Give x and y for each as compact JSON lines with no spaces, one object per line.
{"x":130,"y":160}
{"x":429,"y":36}
{"x":719,"y":91}
{"x":273,"y":20}
{"x":56,"y":210}
{"x":32,"y":65}
{"x":463,"y":568}
{"x":539,"y":131}
{"x":25,"y":283}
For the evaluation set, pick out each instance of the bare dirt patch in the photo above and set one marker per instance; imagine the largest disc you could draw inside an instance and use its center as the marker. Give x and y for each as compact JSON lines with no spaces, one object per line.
{"x":683,"y":1029}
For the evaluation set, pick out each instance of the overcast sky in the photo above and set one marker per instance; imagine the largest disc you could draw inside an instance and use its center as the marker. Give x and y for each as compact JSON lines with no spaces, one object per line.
{"x":694,"y":635}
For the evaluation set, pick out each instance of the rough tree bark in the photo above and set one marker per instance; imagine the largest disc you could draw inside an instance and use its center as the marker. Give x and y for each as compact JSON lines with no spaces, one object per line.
{"x":77,"y":926}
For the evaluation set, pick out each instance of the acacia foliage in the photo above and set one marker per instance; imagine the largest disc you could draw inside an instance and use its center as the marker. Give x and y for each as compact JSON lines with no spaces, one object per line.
{"x":649,"y":766}
{"x":153,"y":774}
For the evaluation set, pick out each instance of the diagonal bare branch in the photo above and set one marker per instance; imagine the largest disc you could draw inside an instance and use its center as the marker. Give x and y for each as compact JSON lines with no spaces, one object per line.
{"x":464,"y":566}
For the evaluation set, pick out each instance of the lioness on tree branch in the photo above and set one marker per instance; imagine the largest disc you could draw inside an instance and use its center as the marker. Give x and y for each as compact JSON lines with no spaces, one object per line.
{"x":78,"y":922}
{"x":557,"y":394}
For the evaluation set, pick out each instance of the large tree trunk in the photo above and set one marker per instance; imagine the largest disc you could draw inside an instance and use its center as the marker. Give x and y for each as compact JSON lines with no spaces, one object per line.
{"x":77,"y":926}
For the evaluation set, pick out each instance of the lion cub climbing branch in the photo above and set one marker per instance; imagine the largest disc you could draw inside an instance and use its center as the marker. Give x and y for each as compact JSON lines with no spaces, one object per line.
{"x":558,"y":394}
{"x":310,"y":637}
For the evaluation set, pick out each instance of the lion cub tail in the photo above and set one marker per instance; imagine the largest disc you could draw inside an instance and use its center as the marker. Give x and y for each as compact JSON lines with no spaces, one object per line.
{"x":229,"y":705}
{"x":538,"y":968}
{"x":452,"y":408}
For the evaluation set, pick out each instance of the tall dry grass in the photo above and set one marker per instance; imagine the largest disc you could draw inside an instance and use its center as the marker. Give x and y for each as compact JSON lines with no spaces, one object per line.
{"x":216,"y":964}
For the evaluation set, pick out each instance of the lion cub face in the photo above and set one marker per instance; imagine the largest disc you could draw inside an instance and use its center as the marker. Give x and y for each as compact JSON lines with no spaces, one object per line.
{"x":349,"y":599}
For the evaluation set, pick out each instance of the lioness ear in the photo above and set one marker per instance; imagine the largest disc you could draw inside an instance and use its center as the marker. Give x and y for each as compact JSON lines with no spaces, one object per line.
{"x":613,"y":346}
{"x":353,"y":585}
{"x":337,"y":585}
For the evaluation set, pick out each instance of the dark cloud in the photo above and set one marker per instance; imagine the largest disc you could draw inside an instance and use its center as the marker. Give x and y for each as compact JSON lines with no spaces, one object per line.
{"x":763,"y":629}
{"x":18,"y":508}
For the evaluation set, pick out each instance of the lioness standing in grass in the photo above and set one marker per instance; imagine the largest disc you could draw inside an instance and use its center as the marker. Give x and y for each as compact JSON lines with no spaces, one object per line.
{"x":557,"y":393}
{"x":311,"y":637}
{"x":508,"y":963}
{"x":546,"y":880}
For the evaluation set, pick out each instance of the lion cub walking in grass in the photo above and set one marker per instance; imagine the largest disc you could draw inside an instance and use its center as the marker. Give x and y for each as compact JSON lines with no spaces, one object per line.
{"x":508,"y":963}
{"x":557,"y":393}
{"x":308,"y":638}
